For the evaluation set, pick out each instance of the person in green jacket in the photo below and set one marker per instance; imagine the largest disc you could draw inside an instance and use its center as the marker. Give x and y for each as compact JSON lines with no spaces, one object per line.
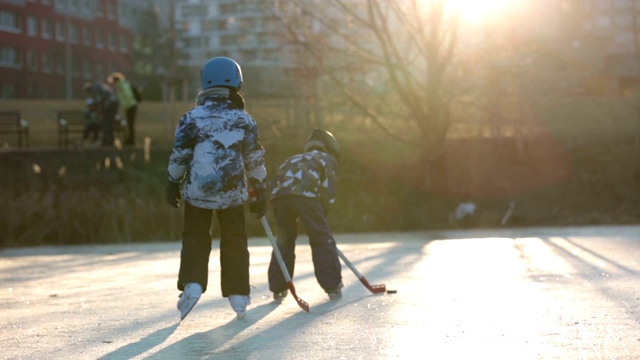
{"x":128,"y":102}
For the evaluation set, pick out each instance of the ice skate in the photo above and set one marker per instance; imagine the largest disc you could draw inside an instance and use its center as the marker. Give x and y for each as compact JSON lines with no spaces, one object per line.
{"x":239,"y":304}
{"x":278,"y":296}
{"x":188,"y":299}
{"x":336,"y":293}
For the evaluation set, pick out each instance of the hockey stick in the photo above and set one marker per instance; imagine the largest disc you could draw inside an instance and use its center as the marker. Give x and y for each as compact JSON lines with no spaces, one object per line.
{"x":265,"y":224}
{"x":376,"y":289}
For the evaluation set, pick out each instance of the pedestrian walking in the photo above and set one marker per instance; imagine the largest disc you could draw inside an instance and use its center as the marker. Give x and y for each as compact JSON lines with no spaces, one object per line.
{"x":128,"y":102}
{"x":217,"y":156}
{"x":303,"y":189}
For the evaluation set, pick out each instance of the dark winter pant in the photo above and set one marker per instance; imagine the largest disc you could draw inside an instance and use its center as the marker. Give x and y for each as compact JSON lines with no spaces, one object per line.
{"x":92,"y":129}
{"x":108,"y":118}
{"x":326,"y":264}
{"x":130,"y":114}
{"x":196,"y":248}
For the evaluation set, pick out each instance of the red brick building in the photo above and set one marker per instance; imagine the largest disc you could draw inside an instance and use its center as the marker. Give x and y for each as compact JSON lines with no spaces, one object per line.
{"x":50,"y":48}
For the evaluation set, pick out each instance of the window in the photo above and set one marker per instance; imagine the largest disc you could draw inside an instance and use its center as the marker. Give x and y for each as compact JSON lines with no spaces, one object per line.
{"x":193,"y":10}
{"x":10,"y":22}
{"x":100,"y":70}
{"x":75,"y":65}
{"x":111,"y":10}
{"x":111,"y":42}
{"x":625,"y":37}
{"x":32,"y":26}
{"x":61,"y":5}
{"x":7,"y":90}
{"x":227,"y":40}
{"x":60,"y":34}
{"x":86,"y":69}
{"x":73,"y":33}
{"x":99,"y":39}
{"x":47,"y":63}
{"x":87,"y":8}
{"x":124,"y":44}
{"x":123,"y":12}
{"x":10,"y":57}
{"x":227,"y":8}
{"x":32,"y":61}
{"x":248,"y":55}
{"x":60,"y":64}
{"x":86,"y":36}
{"x":99,"y":9}
{"x":46,"y":28}
{"x":75,"y":6}
{"x":32,"y":89}
{"x":271,"y":55}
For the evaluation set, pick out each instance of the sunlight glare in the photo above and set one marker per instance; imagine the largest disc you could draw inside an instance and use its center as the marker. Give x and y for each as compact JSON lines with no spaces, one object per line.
{"x":473,"y":11}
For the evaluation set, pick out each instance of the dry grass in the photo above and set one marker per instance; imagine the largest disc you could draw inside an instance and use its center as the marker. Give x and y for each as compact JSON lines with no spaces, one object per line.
{"x":377,"y":189}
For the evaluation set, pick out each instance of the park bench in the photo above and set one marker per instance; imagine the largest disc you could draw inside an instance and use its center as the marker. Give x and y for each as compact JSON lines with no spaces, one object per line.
{"x":11,"y":123}
{"x":74,"y":122}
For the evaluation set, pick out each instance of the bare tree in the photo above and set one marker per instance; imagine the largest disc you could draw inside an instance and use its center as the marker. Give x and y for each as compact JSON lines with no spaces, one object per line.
{"x":388,"y":59}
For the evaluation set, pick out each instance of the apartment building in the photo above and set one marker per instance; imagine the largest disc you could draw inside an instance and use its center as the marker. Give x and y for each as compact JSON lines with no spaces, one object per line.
{"x":244,"y":30}
{"x":50,"y":48}
{"x":616,"y":25}
{"x":616,"y":20}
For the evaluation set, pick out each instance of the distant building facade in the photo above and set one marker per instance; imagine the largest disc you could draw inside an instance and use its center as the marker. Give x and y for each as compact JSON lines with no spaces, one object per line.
{"x":50,"y":48}
{"x":245,"y":30}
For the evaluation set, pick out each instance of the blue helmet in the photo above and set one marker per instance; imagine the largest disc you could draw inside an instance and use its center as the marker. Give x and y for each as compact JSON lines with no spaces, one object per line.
{"x":221,"y":71}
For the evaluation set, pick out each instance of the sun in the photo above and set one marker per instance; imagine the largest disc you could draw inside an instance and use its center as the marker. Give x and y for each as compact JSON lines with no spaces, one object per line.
{"x":474,"y":11}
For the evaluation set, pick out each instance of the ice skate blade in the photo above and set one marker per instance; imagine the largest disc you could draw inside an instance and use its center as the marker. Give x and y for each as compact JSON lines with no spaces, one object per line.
{"x":186,"y":305}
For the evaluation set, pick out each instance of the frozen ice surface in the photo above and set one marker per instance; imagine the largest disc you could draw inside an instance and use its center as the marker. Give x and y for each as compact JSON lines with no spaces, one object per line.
{"x":540,"y":293}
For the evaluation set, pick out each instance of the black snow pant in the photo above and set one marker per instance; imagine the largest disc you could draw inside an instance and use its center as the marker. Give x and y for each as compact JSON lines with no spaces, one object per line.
{"x":92,"y":129}
{"x":108,"y":120}
{"x":196,"y":248}
{"x":130,"y":114}
{"x":288,"y":209}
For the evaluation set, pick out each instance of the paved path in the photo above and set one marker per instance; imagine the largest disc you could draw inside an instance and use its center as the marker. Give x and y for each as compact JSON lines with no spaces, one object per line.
{"x":567,"y":293}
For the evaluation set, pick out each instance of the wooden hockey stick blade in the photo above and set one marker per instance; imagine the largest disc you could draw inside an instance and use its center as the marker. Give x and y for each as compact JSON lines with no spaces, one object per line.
{"x":376,"y":289}
{"x":303,"y":304}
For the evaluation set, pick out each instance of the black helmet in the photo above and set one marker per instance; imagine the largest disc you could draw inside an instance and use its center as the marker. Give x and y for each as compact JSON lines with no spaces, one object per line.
{"x":324,"y":141}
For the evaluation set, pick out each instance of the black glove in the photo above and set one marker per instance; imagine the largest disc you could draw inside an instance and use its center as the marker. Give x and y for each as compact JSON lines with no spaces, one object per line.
{"x":258,"y":204}
{"x":173,"y":194}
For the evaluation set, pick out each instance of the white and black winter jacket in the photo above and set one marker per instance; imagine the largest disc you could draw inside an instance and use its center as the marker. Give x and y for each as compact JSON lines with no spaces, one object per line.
{"x":311,"y":174}
{"x":217,"y":154}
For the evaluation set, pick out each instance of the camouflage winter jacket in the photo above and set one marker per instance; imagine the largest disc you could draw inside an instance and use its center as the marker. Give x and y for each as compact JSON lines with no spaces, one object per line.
{"x":217,"y":154}
{"x":103,"y":96}
{"x":311,"y":174}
